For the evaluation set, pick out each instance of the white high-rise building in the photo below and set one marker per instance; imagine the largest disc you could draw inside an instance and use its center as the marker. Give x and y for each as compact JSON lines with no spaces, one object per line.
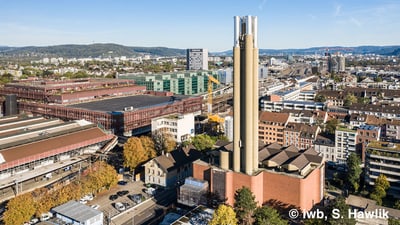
{"x":197,"y":59}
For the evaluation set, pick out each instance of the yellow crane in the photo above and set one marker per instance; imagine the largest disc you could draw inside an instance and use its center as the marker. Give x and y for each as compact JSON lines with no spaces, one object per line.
{"x":211,"y":116}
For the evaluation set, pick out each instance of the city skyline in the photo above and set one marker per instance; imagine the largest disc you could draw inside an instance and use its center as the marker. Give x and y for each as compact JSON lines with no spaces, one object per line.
{"x":204,"y":24}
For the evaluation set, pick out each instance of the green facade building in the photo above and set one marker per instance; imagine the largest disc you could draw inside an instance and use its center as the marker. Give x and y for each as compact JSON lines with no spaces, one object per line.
{"x":183,"y":83}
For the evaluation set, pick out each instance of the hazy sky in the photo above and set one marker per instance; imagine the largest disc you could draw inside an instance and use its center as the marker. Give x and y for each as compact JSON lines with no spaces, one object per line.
{"x":199,"y":23}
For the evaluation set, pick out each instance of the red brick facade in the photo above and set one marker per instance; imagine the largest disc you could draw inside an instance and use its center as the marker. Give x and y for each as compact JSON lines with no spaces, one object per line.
{"x":295,"y":191}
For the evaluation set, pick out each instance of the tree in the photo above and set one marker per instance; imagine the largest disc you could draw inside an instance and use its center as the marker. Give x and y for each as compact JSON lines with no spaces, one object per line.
{"x":364,"y":100}
{"x":268,"y":216}
{"x":378,"y":79}
{"x":379,"y":192}
{"x":148,"y":145}
{"x":19,"y":209}
{"x":244,"y":205}
{"x":224,"y":215}
{"x":320,"y":98}
{"x":169,"y":142}
{"x":331,"y":125}
{"x":163,"y":141}
{"x":101,"y":176}
{"x":134,"y":153}
{"x":203,"y":142}
{"x":339,"y":206}
{"x":349,"y":100}
{"x":397,"y":204}
{"x":354,"y":171}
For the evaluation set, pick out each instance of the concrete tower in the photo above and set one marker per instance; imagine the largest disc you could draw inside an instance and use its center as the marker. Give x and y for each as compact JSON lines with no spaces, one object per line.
{"x":245,"y":95}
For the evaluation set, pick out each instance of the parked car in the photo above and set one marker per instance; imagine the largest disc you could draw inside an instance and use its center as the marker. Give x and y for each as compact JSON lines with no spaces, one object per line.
{"x":46,"y":216}
{"x":88,"y":197}
{"x":113,"y":197}
{"x":34,"y":221}
{"x":136,"y":198}
{"x":83,"y":201}
{"x":95,"y":206}
{"x":122,"y":193}
{"x":122,"y":182}
{"x":150,"y":191}
{"x":119,"y":206}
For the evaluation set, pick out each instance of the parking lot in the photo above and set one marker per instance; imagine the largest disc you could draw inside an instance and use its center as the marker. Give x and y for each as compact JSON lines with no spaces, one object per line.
{"x":107,"y":204}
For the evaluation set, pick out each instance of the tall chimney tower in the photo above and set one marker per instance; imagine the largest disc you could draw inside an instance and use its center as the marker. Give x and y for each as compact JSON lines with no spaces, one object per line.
{"x":245,"y":95}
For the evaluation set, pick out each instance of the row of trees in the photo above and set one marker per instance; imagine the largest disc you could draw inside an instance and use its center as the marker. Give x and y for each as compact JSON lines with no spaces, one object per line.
{"x":245,"y":211}
{"x":138,"y":150}
{"x":23,"y":207}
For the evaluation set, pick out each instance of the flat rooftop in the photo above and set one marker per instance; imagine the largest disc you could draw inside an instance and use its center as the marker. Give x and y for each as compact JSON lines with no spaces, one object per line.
{"x":137,"y":102}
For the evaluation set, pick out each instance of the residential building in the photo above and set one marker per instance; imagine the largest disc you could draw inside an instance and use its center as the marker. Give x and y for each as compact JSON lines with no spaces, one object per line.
{"x":74,"y":212}
{"x":301,"y":116}
{"x":180,"y":126}
{"x":307,"y":96}
{"x":391,"y":111}
{"x":366,"y":134}
{"x":170,"y":168}
{"x":325,"y":145}
{"x":383,"y":158}
{"x":345,"y":143}
{"x":197,"y":59}
{"x":277,"y":106}
{"x":271,"y":127}
{"x":301,"y":136}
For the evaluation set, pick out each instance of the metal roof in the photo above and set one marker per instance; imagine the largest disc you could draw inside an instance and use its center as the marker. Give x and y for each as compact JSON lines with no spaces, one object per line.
{"x":76,"y":211}
{"x":119,"y":104}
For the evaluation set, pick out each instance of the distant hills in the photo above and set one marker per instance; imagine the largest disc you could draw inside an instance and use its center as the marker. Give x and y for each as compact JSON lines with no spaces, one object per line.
{"x":112,"y":50}
{"x":84,"y":51}
{"x":379,"y":50}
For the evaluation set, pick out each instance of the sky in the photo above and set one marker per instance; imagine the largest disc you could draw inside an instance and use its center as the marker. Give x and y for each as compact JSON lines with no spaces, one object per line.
{"x":282,"y":24}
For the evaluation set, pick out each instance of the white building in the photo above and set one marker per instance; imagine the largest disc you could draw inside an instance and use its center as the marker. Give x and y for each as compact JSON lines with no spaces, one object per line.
{"x":345,"y":143}
{"x":225,"y":75}
{"x":76,"y":213}
{"x":197,"y":59}
{"x":181,"y":126}
{"x":229,"y":127}
{"x":326,"y":148}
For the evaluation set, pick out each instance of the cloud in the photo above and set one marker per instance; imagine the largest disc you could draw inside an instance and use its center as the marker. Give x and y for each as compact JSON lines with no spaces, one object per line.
{"x":313,"y":17}
{"x":261,"y":5}
{"x":338,"y":9}
{"x":355,"y":21}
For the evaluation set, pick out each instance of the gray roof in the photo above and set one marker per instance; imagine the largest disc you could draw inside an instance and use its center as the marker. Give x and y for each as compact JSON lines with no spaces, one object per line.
{"x":136,"y":101}
{"x":76,"y":211}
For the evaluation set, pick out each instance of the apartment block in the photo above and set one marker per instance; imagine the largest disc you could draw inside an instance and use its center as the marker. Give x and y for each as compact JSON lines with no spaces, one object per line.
{"x":301,"y":136}
{"x":271,"y":127}
{"x":345,"y":143}
{"x":383,"y":158}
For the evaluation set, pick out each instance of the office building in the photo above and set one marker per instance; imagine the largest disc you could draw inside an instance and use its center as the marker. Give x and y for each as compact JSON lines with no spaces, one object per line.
{"x":197,"y":59}
{"x":180,"y":126}
{"x":182,"y":83}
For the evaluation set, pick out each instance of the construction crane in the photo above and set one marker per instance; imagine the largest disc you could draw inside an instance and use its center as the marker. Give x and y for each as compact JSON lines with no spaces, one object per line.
{"x":213,"y":117}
